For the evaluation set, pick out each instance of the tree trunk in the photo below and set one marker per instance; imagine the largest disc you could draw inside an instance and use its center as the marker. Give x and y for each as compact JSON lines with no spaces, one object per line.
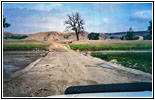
{"x":77,"y":35}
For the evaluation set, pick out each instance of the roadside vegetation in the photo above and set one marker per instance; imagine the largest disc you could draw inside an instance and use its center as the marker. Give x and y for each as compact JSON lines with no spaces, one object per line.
{"x":24,"y":45}
{"x":87,"y":47}
{"x":139,"y":61}
{"x":113,"y":45}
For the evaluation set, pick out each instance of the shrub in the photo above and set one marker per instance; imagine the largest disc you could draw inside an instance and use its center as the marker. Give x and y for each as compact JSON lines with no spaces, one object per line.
{"x":136,"y":38}
{"x":111,"y":37}
{"x":147,"y":37}
{"x":18,"y":37}
{"x":15,"y":37}
{"x":93,"y":36}
{"x":122,"y":37}
{"x":130,"y":35}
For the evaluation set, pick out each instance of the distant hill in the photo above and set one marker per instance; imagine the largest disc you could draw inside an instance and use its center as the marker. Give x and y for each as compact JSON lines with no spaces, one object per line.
{"x":139,"y":33}
{"x":65,"y":35}
{"x":46,"y":36}
{"x":56,"y":36}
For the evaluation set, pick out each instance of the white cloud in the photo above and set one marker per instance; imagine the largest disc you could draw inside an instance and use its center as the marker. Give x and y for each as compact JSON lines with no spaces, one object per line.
{"x":46,"y":7}
{"x":47,"y":23}
{"x":144,"y":14}
{"x":38,"y":6}
{"x":105,"y":20}
{"x":108,"y":7}
{"x":54,"y":23}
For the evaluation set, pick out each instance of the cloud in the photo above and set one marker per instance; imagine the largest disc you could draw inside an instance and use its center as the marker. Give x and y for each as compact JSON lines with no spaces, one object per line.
{"x":106,"y":7}
{"x":33,"y":6}
{"x":143,"y":14}
{"x":98,"y":17}
{"x":117,"y":8}
{"x":40,"y":17}
{"x":106,"y":20}
{"x":33,"y":25}
{"x":48,"y":23}
{"x":46,"y":7}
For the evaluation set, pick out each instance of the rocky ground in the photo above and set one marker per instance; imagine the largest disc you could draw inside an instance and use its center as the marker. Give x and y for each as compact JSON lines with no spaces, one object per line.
{"x":62,"y":67}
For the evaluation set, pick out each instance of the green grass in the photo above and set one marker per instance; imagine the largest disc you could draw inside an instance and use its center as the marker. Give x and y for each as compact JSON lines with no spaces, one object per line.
{"x":139,"y":61}
{"x":21,"y":54}
{"x":19,"y":41}
{"x":85,"y":47}
{"x":24,"y":45}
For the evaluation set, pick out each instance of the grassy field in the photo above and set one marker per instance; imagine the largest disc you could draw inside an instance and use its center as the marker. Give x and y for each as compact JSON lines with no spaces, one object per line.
{"x":85,"y":47}
{"x":114,"y":42}
{"x":112,"y":45}
{"x":24,"y":45}
{"x":139,"y":61}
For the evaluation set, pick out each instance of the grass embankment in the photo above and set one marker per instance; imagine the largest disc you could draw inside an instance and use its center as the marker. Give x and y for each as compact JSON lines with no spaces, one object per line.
{"x":24,"y":45}
{"x":139,"y":61}
{"x":85,"y":47}
{"x":113,"y":45}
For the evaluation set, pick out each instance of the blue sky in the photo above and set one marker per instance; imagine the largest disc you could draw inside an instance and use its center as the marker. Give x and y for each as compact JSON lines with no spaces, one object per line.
{"x":99,"y":17}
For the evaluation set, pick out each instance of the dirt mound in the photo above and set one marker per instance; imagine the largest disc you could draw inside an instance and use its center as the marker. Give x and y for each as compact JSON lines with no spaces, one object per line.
{"x":56,"y":36}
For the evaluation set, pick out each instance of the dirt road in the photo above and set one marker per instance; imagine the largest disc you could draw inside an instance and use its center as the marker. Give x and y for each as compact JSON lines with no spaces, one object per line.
{"x":61,"y":68}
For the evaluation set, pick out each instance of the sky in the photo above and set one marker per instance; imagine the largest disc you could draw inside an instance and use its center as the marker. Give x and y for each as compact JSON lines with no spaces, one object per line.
{"x":30,"y":18}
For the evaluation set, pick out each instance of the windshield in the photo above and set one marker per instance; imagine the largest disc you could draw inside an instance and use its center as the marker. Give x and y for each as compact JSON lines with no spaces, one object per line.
{"x":49,"y":47}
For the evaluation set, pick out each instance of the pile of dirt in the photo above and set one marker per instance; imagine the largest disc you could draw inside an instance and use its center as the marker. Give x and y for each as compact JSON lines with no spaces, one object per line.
{"x":56,"y":36}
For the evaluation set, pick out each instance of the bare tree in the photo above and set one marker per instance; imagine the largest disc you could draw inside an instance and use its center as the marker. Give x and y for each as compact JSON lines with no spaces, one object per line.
{"x":75,"y":23}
